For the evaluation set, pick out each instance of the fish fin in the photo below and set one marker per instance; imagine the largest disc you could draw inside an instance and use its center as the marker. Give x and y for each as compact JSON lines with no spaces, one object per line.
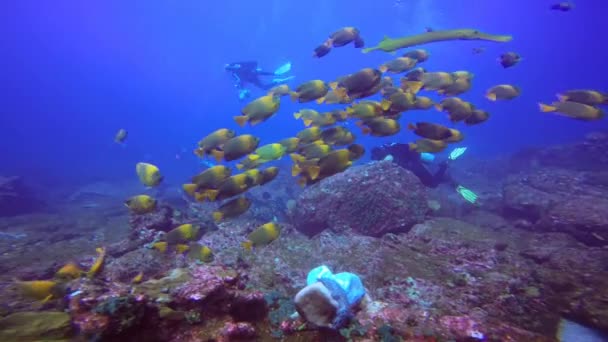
{"x":241,"y":120}
{"x":297,"y":158}
{"x":189,"y":188}
{"x":199,"y":152}
{"x":297,"y":115}
{"x":313,"y":172}
{"x":247,"y":245}
{"x":47,"y":298}
{"x":295,"y":170}
{"x":562,"y":98}
{"x":333,"y":85}
{"x":411,"y":126}
{"x":349,"y":110}
{"x":383,"y":68}
{"x":294,"y":96}
{"x":320,"y":100}
{"x":199,"y":197}
{"x":254,"y":122}
{"x":254,"y":157}
{"x":413,"y":86}
{"x":307,"y":123}
{"x":439,"y":107}
{"x":546,"y":108}
{"x":385,"y":104}
{"x":217,"y":216}
{"x":218,"y":155}
{"x":211,"y":194}
{"x":491,"y":96}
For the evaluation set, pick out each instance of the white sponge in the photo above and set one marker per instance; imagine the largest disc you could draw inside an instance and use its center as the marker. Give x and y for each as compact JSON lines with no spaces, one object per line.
{"x":315,"y":304}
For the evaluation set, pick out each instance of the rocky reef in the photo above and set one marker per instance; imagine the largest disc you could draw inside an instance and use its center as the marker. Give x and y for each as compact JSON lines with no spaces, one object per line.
{"x":530,"y":253}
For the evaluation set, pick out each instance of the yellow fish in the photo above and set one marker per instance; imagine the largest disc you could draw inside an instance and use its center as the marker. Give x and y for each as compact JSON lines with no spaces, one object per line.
{"x":148,"y":174}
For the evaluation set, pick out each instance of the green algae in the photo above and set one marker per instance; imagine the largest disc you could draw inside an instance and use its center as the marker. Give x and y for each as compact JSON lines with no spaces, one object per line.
{"x":36,"y":326}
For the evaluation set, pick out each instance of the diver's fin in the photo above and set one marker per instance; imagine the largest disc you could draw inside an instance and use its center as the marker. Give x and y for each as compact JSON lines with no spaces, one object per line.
{"x":282,"y":79}
{"x":283,"y":69}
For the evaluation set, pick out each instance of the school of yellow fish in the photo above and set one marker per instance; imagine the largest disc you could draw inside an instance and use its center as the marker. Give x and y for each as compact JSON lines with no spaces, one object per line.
{"x":321,"y":149}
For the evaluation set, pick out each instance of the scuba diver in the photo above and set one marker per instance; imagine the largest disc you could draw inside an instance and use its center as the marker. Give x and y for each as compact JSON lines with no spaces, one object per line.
{"x":248,"y":72}
{"x":414,"y":161}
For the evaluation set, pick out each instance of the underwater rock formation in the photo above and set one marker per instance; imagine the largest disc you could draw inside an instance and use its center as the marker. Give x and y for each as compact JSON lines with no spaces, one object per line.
{"x":16,"y":198}
{"x":160,"y":219}
{"x":563,"y":200}
{"x":372,"y":199}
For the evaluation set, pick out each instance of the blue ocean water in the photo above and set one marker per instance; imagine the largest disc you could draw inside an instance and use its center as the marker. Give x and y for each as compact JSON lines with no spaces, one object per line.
{"x":76,"y":72}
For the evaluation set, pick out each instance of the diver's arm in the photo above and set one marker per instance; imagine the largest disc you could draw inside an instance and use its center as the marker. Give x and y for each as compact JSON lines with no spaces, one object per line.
{"x":251,"y":65}
{"x":264,"y":73}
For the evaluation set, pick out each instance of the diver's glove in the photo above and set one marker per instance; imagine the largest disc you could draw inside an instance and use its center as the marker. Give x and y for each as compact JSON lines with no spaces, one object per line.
{"x":467,"y":194}
{"x":457,"y":152}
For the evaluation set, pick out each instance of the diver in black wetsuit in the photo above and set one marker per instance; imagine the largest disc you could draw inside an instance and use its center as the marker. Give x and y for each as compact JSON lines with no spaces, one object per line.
{"x":414,"y":161}
{"x":248,"y":72}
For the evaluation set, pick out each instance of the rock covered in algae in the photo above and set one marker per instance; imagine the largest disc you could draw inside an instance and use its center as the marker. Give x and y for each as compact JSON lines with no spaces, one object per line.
{"x":372,"y":199}
{"x":36,"y":326}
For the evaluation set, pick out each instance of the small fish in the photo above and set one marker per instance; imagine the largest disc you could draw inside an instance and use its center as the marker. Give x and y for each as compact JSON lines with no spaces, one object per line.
{"x":309,"y":135}
{"x":419,"y":55}
{"x":237,"y":147}
{"x":183,"y":233}
{"x":232,"y":208}
{"x":69,"y":271}
{"x":573,"y":110}
{"x":212,"y":177}
{"x":141,"y":204}
{"x":280,"y":90}
{"x":200,"y":253}
{"x":148,"y":174}
{"x":269,"y":174}
{"x":259,"y":110}
{"x":138,"y":278}
{"x":477,"y":116}
{"x":214,"y":140}
{"x":380,"y":127}
{"x":290,"y":144}
{"x":160,"y":246}
{"x":430,"y":130}
{"x":398,"y":65}
{"x":428,"y":146}
{"x":503,"y":92}
{"x":43,"y":290}
{"x":509,"y":59}
{"x":563,"y":6}
{"x":310,"y":91}
{"x":120,"y":136}
{"x":98,"y":264}
{"x":585,"y":96}
{"x":262,"y":235}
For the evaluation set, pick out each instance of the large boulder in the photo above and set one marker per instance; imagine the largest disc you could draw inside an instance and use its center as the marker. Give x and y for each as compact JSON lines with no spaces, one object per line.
{"x":373,"y":199}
